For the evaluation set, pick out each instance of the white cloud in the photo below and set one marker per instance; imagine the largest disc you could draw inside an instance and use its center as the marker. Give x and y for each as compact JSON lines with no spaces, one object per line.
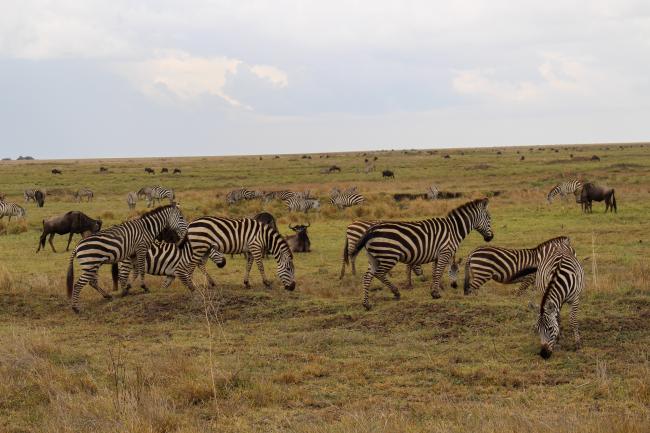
{"x":271,"y":73}
{"x":483,"y":83}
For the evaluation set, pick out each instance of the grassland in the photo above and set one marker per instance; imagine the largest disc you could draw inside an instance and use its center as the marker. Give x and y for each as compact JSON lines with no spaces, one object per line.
{"x":238,"y":360}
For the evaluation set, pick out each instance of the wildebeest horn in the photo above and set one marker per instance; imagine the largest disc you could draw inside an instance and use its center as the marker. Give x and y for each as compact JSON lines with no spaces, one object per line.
{"x":308,"y":224}
{"x":291,"y":227}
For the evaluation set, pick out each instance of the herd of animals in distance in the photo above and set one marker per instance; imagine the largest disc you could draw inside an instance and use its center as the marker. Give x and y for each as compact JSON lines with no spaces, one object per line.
{"x":161,"y":242}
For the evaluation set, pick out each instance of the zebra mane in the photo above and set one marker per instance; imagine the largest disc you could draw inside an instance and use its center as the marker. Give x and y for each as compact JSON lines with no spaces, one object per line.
{"x":553,"y":240}
{"x":467,"y":205}
{"x":547,"y":292}
{"x":156,"y":211}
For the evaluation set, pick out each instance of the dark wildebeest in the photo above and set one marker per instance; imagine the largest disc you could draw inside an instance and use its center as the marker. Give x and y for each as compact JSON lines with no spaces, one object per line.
{"x":522,"y":158}
{"x":56,"y":171}
{"x":103,"y":170}
{"x":177,"y":171}
{"x":299,"y":243}
{"x":446,"y":156}
{"x":334,"y":168}
{"x":407,"y":196}
{"x":149,"y":170}
{"x":595,"y":158}
{"x":266,"y":218}
{"x":387,"y":174}
{"x":71,"y":222}
{"x":164,"y":170}
{"x":39,"y":196}
{"x":591,"y":192}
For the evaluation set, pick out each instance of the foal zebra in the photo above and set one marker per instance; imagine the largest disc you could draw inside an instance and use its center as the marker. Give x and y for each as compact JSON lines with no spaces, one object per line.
{"x":560,"y":276}
{"x":347,"y":198}
{"x":240,"y":194}
{"x":129,"y":240}
{"x":236,"y":236}
{"x":563,"y":189}
{"x":131,"y":200}
{"x":162,"y":259}
{"x":84,"y":192}
{"x":296,"y":203}
{"x":419,"y":242}
{"x":506,"y":265}
{"x":11,"y":210}
{"x":158,"y":193}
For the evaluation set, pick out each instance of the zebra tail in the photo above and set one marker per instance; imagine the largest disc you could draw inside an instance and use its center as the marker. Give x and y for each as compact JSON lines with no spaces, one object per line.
{"x":115,"y":274}
{"x":346,"y":255}
{"x":466,"y":281}
{"x":614,"y":201}
{"x":362,"y":242}
{"x":70,"y":276}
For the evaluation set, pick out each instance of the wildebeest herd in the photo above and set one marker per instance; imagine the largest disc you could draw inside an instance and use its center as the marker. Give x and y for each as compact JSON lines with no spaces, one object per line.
{"x":162,"y":242}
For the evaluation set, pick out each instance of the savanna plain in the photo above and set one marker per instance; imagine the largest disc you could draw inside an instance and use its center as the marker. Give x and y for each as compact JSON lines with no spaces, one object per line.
{"x":314,"y":360}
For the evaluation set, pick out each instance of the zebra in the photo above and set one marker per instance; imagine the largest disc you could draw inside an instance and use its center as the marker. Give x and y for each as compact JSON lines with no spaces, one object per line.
{"x":415,"y":243}
{"x":11,"y":210}
{"x":162,"y":259}
{"x":506,"y":265}
{"x":296,"y":203}
{"x":240,"y":194}
{"x":129,"y":240}
{"x":131,"y":200}
{"x":560,"y":276}
{"x":563,"y":189}
{"x":355,"y":232}
{"x":158,"y":193}
{"x":84,"y":192}
{"x":347,"y":198}
{"x":145,"y":192}
{"x":433,"y":192}
{"x":235,"y":236}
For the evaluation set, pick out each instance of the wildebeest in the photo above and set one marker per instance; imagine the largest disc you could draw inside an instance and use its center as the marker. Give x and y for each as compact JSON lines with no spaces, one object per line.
{"x":595,"y":158}
{"x":299,"y":243}
{"x":103,"y":170}
{"x":131,"y":200}
{"x":522,"y":158}
{"x":164,"y":170}
{"x":447,"y":156}
{"x":333,"y":169}
{"x":387,"y":174}
{"x":56,"y":171}
{"x":39,"y":196}
{"x":71,"y":222}
{"x":407,"y":196}
{"x":149,"y":170}
{"x":591,"y":192}
{"x":177,"y":171}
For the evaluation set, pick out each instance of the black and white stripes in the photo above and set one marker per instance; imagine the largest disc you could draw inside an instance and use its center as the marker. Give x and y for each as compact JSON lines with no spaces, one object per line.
{"x":563,"y":189}
{"x":11,"y":210}
{"x":342,"y":199}
{"x":127,"y":241}
{"x":241,"y":194}
{"x":418,"y":242}
{"x":560,"y":276}
{"x":236,"y":236}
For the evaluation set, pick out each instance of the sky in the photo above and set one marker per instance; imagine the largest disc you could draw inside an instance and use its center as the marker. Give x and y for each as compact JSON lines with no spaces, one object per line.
{"x":123,"y":78}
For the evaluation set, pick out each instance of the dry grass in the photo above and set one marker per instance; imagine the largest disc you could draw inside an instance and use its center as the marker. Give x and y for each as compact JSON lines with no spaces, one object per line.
{"x":313,"y":361}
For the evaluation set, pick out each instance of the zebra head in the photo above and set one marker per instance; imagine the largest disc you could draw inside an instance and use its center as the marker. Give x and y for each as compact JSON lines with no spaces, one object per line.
{"x":548,"y":328}
{"x":217,"y":258}
{"x":482,"y":220}
{"x":286,"y":271}
{"x":175,"y":221}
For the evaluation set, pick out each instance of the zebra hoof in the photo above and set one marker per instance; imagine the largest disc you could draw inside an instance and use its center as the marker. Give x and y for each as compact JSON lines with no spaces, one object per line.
{"x":454,"y":285}
{"x":145,"y":289}
{"x":75,"y":309}
{"x":247,"y":285}
{"x":124,"y":293}
{"x":435,"y":295}
{"x":108,"y":297}
{"x":396,"y":296}
{"x":367,"y":306}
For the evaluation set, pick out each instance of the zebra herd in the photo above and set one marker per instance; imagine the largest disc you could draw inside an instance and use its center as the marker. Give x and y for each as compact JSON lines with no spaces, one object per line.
{"x":131,"y":248}
{"x":298,"y":201}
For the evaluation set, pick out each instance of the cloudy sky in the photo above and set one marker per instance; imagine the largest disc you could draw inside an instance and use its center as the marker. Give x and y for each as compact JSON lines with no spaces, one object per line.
{"x":195,"y":77}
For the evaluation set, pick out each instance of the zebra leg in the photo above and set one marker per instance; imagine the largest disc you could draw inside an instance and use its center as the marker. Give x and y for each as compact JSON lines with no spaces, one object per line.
{"x":76,"y":290}
{"x":257,"y":255}
{"x":141,"y":262}
{"x":94,"y":283}
{"x":573,"y":322}
{"x":204,"y":271}
{"x":184,"y":273}
{"x":249,"y":265}
{"x":393,"y":288}
{"x":168,"y":280}
{"x":409,"y":280}
{"x":438,"y":268}
{"x":525,"y":285}
{"x":367,"y":278}
{"x":354,"y":268}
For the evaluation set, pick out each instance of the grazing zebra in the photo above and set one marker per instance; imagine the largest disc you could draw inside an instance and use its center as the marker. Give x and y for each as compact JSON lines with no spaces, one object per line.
{"x":129,"y":240}
{"x":433,"y":192}
{"x":296,"y":203}
{"x":418,"y":242}
{"x":563,"y":189}
{"x":355,"y":232}
{"x":162,"y":259}
{"x":11,"y":210}
{"x":158,"y":193}
{"x":84,"y":192}
{"x":347,"y":198}
{"x":145,"y":192}
{"x":235,"y":236}
{"x":30,"y":194}
{"x":131,"y":199}
{"x":240,"y":194}
{"x":506,"y":265}
{"x":560,"y":276}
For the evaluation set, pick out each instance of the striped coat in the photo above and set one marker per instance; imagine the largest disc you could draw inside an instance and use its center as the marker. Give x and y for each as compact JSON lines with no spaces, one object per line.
{"x":159,"y":193}
{"x":131,"y":199}
{"x":129,"y":240}
{"x":237,"y":236}
{"x":84,"y":192}
{"x":506,"y":265}
{"x":162,"y":259}
{"x":415,"y":243}
{"x":560,"y":276}
{"x":563,"y":189}
{"x":11,"y":210}
{"x":240,"y":194}
{"x":347,"y":198}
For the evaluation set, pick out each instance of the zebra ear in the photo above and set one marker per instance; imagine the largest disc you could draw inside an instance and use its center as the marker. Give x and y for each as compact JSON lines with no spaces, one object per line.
{"x":485,"y":201}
